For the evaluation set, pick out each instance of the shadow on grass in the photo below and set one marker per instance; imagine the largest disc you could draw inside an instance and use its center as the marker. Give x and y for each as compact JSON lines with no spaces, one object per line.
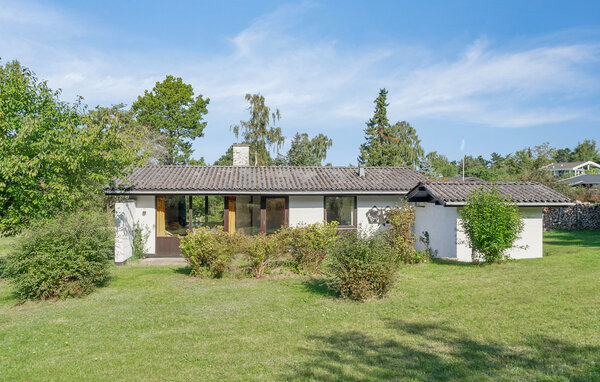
{"x":456,"y":263}
{"x":320,"y":286}
{"x":430,"y":351}
{"x":185,"y":270}
{"x":573,"y":238}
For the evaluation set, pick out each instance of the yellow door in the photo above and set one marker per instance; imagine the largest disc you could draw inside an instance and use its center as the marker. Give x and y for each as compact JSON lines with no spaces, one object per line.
{"x":231,"y":216}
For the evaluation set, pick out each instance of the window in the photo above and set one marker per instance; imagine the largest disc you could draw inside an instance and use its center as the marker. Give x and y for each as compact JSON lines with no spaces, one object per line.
{"x":340,"y":209}
{"x":247,"y":214}
{"x":207,"y":211}
{"x":171,"y":215}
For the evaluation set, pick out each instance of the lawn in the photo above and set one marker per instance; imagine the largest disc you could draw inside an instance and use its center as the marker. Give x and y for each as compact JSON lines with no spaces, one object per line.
{"x":526,"y":320}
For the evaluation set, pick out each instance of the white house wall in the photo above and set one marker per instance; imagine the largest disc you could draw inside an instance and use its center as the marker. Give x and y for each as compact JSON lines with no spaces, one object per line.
{"x":528,"y":246}
{"x":368,"y":208}
{"x":145,"y":218}
{"x":124,"y":222}
{"x":305,"y":210}
{"x":440,"y":223}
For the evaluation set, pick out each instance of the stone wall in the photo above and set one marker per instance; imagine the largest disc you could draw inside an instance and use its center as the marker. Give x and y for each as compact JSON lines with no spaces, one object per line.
{"x":576,"y":218}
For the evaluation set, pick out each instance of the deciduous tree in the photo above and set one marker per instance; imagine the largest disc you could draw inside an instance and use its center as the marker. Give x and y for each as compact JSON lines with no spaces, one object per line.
{"x":259,"y":130}
{"x":54,"y":158}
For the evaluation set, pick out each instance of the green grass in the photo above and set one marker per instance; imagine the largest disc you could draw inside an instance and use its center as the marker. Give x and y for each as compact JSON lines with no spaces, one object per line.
{"x":533,"y":319}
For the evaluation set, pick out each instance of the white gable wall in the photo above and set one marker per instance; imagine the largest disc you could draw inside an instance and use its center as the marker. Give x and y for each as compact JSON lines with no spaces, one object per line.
{"x":440,"y":223}
{"x":531,"y":238}
{"x":449,"y":240}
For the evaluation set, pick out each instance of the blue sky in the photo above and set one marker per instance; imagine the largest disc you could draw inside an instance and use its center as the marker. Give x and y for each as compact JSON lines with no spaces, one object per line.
{"x":502,"y":74}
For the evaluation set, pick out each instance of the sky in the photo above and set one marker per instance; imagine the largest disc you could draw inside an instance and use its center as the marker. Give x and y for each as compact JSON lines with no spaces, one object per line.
{"x":503,"y":75}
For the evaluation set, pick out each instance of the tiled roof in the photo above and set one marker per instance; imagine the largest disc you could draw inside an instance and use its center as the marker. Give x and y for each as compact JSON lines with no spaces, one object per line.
{"x":583,"y":179}
{"x":568,"y":165}
{"x":457,"y":193}
{"x":271,"y":179}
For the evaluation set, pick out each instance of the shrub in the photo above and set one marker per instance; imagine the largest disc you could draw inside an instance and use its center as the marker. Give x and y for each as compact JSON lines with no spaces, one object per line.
{"x":309,"y":245}
{"x":259,"y":250}
{"x":139,"y":239}
{"x":400,"y":235}
{"x":491,"y":224}
{"x":209,"y":251}
{"x":364,"y":267}
{"x":67,"y":256}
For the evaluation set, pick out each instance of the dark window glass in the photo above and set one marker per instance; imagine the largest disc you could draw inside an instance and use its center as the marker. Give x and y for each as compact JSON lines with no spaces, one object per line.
{"x":275,"y":211}
{"x":340,"y":209}
{"x":176,"y":214}
{"x":247,"y":214}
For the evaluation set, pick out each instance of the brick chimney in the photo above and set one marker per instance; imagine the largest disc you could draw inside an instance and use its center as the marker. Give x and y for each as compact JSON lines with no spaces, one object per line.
{"x":241,"y":154}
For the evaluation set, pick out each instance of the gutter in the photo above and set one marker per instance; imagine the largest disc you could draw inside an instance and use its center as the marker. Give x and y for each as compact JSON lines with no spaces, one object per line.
{"x":538,"y":204}
{"x":237,"y":193}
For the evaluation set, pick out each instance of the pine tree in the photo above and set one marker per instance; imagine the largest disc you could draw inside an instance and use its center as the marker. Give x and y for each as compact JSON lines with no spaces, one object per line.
{"x":389,"y":145}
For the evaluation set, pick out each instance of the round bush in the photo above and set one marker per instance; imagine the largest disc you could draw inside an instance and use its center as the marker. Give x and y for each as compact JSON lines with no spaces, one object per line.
{"x":364,"y":267}
{"x":68,"y":256}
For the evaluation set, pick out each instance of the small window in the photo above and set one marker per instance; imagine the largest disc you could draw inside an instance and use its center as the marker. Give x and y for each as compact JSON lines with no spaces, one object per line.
{"x":340,"y":209}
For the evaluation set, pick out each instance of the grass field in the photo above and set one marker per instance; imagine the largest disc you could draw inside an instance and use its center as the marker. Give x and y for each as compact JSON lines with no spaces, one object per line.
{"x":526,"y":320}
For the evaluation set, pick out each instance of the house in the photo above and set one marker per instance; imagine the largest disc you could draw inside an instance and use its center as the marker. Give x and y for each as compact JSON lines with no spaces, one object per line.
{"x":437,"y":215}
{"x":162,"y":202}
{"x":570,"y":168}
{"x":585,"y":180}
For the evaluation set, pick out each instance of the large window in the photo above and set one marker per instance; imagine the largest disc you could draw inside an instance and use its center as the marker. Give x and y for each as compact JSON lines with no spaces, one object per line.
{"x":171,"y":215}
{"x":247,"y":214}
{"x":340,"y":209}
{"x":207,"y":211}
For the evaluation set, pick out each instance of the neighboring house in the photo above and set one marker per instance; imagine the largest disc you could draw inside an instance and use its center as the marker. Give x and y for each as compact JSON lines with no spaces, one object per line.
{"x":165,"y":201}
{"x":570,"y":168}
{"x":586,"y":180}
{"x":438,"y":206}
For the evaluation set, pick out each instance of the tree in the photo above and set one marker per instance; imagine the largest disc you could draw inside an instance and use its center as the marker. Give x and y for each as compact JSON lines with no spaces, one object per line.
{"x":563,"y":155}
{"x":54,"y":157}
{"x":491,"y":224}
{"x":441,"y":164}
{"x":171,"y":109}
{"x":427,"y":169}
{"x":389,"y":145}
{"x":259,"y":130}
{"x":308,"y":152}
{"x":585,"y":151}
{"x":225,"y":159}
{"x":150,"y":142}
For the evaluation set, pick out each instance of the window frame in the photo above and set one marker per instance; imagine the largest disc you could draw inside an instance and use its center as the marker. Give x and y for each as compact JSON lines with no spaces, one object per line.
{"x":355,"y":212}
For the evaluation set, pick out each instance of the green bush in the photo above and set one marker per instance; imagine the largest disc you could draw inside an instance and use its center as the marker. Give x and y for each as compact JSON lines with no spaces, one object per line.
{"x":309,"y":245}
{"x":67,"y":256}
{"x":401,"y":237}
{"x":364,"y":267}
{"x":491,"y":224}
{"x":259,"y":250}
{"x":209,"y":251}
{"x":139,"y":239}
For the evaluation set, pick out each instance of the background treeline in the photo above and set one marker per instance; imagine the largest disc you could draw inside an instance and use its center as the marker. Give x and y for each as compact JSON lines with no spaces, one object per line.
{"x":56,"y":156}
